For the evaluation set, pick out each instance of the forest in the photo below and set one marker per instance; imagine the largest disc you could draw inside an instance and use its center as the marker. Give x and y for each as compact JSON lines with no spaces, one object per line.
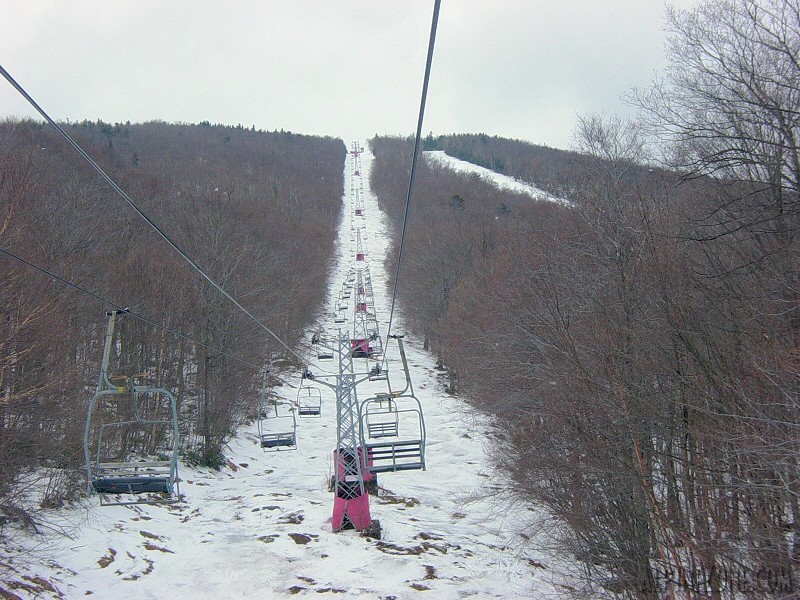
{"x":638,"y":348}
{"x":255,"y":210}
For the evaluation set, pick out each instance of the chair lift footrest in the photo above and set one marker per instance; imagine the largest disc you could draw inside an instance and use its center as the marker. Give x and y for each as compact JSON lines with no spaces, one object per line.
{"x":384,"y":456}
{"x":277,"y":441}
{"x":132,"y":485}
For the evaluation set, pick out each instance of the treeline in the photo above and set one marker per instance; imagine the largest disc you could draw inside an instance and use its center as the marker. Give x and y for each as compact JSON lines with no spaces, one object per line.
{"x":639,"y":349}
{"x":256,"y":211}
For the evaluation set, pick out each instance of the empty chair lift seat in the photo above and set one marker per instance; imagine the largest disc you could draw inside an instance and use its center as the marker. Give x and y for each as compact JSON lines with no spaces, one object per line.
{"x":278,"y":429}
{"x":278,"y":440}
{"x":309,"y":402}
{"x":133,"y":478}
{"x":403,"y":455}
{"x":381,"y":418}
{"x":399,"y":427}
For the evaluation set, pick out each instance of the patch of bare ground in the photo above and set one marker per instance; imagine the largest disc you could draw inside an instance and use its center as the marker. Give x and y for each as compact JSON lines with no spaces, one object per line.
{"x":387,"y":497}
{"x":34,"y":585}
{"x":303,"y":538}
{"x":149,"y":546}
{"x":294,"y":518}
{"x":107,"y":559}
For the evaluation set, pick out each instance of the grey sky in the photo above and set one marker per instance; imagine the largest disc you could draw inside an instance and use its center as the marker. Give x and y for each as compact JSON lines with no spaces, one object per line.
{"x":346,"y":68}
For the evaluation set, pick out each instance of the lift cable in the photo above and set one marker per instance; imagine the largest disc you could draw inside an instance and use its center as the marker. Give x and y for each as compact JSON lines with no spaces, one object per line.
{"x":127,"y":310}
{"x":415,"y":158}
{"x":147,"y":219}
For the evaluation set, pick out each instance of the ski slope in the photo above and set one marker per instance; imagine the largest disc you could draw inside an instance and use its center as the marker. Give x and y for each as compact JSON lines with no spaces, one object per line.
{"x":438,"y":157}
{"x":260,"y":527}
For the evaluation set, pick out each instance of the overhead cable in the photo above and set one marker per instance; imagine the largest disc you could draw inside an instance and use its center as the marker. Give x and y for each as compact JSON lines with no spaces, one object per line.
{"x":415,"y":158}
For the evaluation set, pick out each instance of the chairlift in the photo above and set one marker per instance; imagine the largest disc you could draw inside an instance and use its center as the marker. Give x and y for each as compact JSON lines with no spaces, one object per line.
{"x":324,"y":351}
{"x":377,"y":373}
{"x":375,"y":341}
{"x":359,"y":256}
{"x":309,"y":401}
{"x":396,"y":419}
{"x":131,"y":438}
{"x":380,"y":417}
{"x":399,"y":424}
{"x":277,"y":426}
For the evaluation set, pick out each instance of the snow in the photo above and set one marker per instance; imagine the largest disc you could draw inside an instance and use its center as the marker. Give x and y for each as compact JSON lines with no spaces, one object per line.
{"x":260,"y":527}
{"x":438,"y":157}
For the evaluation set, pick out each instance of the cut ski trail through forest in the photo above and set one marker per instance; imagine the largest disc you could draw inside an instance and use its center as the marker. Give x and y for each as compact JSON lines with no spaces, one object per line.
{"x":260,"y":527}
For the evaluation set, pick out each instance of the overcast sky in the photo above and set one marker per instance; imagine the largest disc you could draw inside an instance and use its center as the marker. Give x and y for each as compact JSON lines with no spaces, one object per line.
{"x":347,"y":68}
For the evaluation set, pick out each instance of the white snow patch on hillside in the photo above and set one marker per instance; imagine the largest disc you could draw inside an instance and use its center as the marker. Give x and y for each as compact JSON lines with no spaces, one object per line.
{"x":439,"y":157}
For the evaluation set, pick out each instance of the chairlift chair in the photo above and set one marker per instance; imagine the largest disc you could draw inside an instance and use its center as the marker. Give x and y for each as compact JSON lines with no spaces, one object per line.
{"x":309,"y":401}
{"x":131,"y":438}
{"x":402,"y":448}
{"x":377,"y":373}
{"x":399,"y":425}
{"x":324,"y":351}
{"x":277,"y":428}
{"x":135,"y":455}
{"x":380,"y":417}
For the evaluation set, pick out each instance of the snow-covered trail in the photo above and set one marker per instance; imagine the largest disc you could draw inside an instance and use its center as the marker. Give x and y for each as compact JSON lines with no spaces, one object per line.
{"x":260,"y":527}
{"x":438,"y":157}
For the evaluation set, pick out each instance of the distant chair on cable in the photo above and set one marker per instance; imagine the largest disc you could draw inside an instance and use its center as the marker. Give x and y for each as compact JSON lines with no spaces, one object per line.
{"x":309,"y":401}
